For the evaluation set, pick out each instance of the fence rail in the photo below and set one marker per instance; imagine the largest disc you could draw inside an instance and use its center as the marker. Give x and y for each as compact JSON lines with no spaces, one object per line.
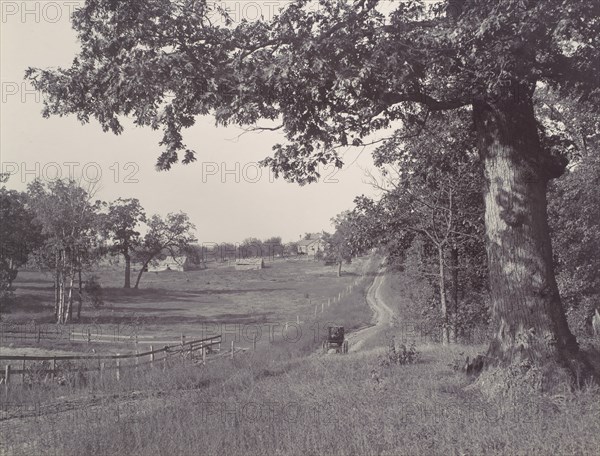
{"x":184,"y":349}
{"x":73,"y":333}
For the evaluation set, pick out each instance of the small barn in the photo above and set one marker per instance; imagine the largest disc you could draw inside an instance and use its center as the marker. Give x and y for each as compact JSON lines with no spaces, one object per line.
{"x":245,"y":264}
{"x":178,"y":263}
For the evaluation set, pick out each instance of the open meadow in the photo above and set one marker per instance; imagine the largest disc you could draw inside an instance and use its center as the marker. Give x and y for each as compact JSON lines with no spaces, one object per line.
{"x":194,"y":303}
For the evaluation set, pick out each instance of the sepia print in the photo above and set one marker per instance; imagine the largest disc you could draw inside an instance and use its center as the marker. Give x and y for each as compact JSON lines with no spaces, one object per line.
{"x":300,"y":227}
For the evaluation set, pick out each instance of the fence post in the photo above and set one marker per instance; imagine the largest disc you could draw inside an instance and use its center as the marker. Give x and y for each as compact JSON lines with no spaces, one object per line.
{"x":23,"y":373}
{"x":232,"y":349}
{"x":328,"y":302}
{"x":297,"y":319}
{"x":101,"y":370}
{"x":182,"y":348}
{"x":152,"y":356}
{"x":89,"y":336}
{"x":203,"y":355}
{"x":254,"y":343}
{"x":165,"y":359}
{"x":137,"y":358}
{"x":118,"y":361}
{"x":38,"y":334}
{"x":322,"y":306}
{"x":7,"y":375}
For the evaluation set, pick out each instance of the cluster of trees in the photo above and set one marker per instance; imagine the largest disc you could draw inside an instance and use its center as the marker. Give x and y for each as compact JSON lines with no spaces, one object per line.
{"x":249,"y":248}
{"x":429,"y":219}
{"x":331,"y":77}
{"x":59,"y":227}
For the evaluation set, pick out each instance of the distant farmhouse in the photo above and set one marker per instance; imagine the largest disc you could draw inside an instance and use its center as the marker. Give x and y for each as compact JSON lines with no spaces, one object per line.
{"x":311,"y":244}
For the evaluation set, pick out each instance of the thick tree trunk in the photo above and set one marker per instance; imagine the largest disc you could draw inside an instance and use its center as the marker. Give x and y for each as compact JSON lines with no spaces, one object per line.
{"x":443,"y":303}
{"x":127,"y":270}
{"x":531,"y":323}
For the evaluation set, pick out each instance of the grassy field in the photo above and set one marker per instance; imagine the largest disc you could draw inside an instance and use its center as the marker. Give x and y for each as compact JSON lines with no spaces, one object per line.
{"x":170,"y":303}
{"x":316,"y":405}
{"x":285,"y":398}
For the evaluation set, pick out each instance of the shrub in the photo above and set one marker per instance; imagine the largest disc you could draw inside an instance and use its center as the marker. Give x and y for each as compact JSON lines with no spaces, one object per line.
{"x":93,"y":292}
{"x":403,"y":355}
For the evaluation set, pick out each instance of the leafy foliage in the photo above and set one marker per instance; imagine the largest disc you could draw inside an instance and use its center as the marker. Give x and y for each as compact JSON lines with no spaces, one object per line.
{"x":403,"y":355}
{"x":170,"y":235}
{"x":71,"y":227}
{"x":332,"y":75}
{"x":574,"y":208}
{"x":93,"y":292}
{"x":19,"y":235}
{"x":121,"y":227}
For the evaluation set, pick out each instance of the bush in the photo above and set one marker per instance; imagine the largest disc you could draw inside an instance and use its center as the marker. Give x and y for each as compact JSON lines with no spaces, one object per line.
{"x":404,"y":355}
{"x":6,"y":294}
{"x":93,"y":292}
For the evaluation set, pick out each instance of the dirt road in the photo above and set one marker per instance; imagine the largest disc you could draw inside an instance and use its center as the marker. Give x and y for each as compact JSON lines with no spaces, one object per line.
{"x":382,"y":314}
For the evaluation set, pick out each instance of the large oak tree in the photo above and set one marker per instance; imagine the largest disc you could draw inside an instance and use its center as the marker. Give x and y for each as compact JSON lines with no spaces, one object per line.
{"x":330,"y":76}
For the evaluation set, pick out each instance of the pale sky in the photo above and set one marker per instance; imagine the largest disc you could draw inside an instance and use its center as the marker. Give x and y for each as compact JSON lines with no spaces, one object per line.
{"x":222,"y":193}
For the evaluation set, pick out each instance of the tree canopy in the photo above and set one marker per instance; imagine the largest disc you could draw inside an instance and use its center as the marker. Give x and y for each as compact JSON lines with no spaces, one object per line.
{"x":328,"y":76}
{"x":355,"y":73}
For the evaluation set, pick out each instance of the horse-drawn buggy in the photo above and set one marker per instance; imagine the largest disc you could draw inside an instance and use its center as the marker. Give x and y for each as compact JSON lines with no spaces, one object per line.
{"x":335,"y":340}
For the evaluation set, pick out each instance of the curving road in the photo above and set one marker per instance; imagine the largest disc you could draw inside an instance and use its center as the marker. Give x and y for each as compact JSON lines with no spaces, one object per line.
{"x":382,"y":314}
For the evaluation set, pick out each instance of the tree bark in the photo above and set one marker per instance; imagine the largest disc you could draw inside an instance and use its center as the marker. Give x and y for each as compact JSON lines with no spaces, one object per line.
{"x":527,"y":310}
{"x":339,"y":272}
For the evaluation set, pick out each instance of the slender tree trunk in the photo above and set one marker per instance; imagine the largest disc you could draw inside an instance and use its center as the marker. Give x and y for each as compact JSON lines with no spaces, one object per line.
{"x":80,"y":295}
{"x":527,"y":310}
{"x":339,"y":269}
{"x":70,"y":297}
{"x":56,"y":285}
{"x":454,"y":293}
{"x":144,"y":266}
{"x":12,"y":272}
{"x":61,"y":299}
{"x":127,"y":270}
{"x":443,"y":303}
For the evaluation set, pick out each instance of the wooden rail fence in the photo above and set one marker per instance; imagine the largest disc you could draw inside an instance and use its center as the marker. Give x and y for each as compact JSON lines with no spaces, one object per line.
{"x":186,"y":350}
